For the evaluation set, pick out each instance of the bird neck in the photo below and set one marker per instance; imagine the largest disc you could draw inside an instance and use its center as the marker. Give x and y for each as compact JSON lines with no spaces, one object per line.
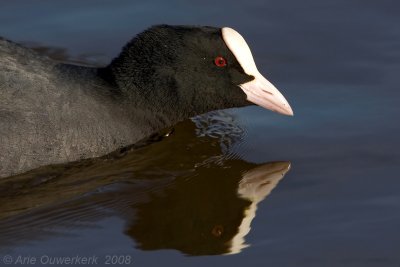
{"x":149,"y":100}
{"x":160,"y":89}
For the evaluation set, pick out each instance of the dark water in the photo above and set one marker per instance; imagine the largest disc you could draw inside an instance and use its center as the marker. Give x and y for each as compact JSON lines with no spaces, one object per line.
{"x":199,"y":190}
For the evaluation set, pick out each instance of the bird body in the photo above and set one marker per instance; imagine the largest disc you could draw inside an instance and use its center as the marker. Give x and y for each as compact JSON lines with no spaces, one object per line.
{"x":54,"y":113}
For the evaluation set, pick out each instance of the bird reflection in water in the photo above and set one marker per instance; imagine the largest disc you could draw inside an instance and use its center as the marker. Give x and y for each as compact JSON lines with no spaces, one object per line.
{"x":187,"y":192}
{"x":205,"y":215}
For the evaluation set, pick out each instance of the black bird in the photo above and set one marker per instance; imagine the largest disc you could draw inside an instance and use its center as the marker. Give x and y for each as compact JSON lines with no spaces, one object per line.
{"x":54,"y":113}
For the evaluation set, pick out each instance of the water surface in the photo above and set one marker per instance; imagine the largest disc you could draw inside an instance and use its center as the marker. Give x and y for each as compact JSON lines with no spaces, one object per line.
{"x":336,"y":62}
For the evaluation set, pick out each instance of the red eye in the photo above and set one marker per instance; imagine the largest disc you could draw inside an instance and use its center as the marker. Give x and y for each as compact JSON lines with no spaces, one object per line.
{"x":220,"y":61}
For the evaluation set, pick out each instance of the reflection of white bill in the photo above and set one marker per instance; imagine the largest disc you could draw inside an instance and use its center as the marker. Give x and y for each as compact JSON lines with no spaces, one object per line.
{"x":256,"y":185}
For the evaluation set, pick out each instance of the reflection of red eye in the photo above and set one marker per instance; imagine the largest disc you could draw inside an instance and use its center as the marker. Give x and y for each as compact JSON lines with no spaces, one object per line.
{"x":220,"y":61}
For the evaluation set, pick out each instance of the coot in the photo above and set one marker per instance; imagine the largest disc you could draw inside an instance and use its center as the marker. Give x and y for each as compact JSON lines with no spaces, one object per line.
{"x":56,"y":113}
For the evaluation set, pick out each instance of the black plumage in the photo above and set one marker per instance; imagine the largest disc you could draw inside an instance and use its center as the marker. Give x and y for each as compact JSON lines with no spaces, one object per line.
{"x":55,"y":113}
